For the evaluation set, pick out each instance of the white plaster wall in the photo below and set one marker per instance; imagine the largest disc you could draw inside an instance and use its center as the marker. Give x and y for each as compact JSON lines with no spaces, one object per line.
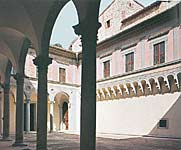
{"x":140,"y":115}
{"x":74,"y":112}
{"x":77,"y":113}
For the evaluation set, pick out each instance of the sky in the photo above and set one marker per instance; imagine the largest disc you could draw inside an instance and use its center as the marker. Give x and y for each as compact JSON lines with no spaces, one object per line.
{"x":63,"y":32}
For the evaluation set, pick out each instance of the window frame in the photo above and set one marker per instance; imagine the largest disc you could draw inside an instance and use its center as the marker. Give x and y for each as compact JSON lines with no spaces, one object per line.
{"x":64,"y":75}
{"x":124,"y":53}
{"x":108,"y":23}
{"x":131,"y":61}
{"x":106,"y":75}
{"x":103,"y":60}
{"x":157,"y":40}
{"x":157,"y":54}
{"x":167,"y":123}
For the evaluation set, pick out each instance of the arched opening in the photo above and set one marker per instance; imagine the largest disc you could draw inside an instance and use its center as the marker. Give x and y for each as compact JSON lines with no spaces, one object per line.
{"x":61,"y":112}
{"x":65,"y":28}
{"x":65,"y":115}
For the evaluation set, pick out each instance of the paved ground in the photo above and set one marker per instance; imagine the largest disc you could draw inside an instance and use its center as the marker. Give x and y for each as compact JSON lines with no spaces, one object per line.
{"x":61,"y":141}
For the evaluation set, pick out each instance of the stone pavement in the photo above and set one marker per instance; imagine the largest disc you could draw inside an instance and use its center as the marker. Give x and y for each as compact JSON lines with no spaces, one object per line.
{"x":62,"y":141}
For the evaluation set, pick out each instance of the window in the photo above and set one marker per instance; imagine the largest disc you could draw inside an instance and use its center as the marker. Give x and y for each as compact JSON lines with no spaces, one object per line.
{"x":130,"y":5}
{"x":163,"y":123}
{"x":159,"y":53}
{"x":130,"y":62}
{"x":108,"y":23}
{"x":106,"y":69}
{"x":62,"y":75}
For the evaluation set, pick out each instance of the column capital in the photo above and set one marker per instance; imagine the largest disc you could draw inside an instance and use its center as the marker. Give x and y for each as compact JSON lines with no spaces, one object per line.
{"x":42,"y":61}
{"x":28,"y":100}
{"x":52,"y":102}
{"x":87,"y":27}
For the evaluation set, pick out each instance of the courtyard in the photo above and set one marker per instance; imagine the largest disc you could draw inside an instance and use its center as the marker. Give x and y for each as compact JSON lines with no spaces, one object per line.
{"x":62,"y":141}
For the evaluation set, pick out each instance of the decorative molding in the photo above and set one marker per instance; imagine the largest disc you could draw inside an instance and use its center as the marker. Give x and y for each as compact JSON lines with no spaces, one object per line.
{"x":109,"y":88}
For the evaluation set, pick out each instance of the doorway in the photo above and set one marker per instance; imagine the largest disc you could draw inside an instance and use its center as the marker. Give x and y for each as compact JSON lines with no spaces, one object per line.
{"x":65,"y":114}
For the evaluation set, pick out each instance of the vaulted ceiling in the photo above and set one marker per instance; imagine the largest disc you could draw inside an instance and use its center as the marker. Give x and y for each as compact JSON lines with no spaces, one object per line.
{"x":25,"y":22}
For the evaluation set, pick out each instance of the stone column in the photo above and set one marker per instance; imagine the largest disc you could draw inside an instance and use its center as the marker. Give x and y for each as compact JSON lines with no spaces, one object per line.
{"x":88,"y":31}
{"x":6,"y":112}
{"x":51,"y":115}
{"x":42,"y":63}
{"x":19,"y":137}
{"x":27,"y":115}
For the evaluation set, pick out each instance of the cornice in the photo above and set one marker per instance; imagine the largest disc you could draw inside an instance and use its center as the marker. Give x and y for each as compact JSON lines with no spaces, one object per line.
{"x":54,"y":82}
{"x":62,"y":52}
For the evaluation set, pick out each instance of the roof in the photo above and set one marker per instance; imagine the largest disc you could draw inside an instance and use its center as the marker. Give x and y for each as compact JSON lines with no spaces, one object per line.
{"x":157,"y":3}
{"x":114,"y":1}
{"x":139,"y":3}
{"x":107,"y":7}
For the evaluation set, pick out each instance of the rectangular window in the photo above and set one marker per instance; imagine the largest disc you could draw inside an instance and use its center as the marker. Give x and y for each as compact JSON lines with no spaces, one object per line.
{"x":62,"y":75}
{"x":130,"y":62}
{"x":108,"y":23}
{"x":163,"y":123}
{"x":106,"y":69}
{"x":159,"y":53}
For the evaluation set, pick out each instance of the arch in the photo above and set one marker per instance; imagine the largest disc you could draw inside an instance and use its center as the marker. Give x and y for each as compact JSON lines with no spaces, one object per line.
{"x":50,"y":21}
{"x":14,"y":45}
{"x":20,"y":11}
{"x":152,"y":80}
{"x":23,"y":53}
{"x":4,"y":69}
{"x":5,"y":50}
{"x":170,"y":77}
{"x":86,"y":10}
{"x":65,"y":27}
{"x":60,"y":113}
{"x":60,"y":97}
{"x":179,"y":74}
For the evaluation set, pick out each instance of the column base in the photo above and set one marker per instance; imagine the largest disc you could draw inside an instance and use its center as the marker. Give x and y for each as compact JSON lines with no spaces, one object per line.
{"x":27,"y":132}
{"x":6,"y":139}
{"x":19,"y":144}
